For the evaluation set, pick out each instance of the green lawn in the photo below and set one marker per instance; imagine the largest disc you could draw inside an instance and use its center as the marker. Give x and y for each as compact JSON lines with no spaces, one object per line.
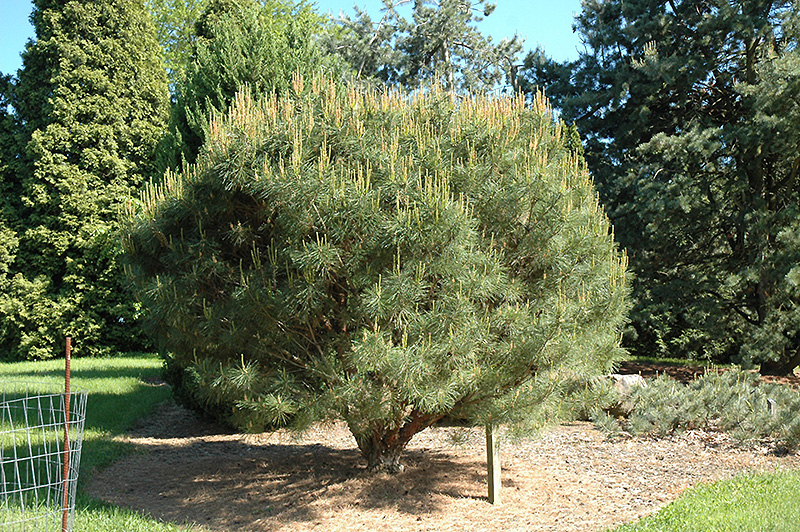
{"x":120,"y":393}
{"x":766,"y":502}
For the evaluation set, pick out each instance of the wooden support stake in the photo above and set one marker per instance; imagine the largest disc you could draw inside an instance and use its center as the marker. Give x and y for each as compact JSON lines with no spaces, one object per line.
{"x":493,"y":464}
{"x":65,"y":479}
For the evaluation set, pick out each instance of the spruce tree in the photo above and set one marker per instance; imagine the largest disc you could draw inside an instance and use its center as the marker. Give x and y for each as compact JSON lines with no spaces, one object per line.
{"x":381,"y":259}
{"x":691,"y":129}
{"x":91,"y":104}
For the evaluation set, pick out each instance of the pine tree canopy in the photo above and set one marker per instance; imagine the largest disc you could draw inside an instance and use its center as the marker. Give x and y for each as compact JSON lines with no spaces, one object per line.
{"x":90,"y":106}
{"x":382,"y":259}
{"x":692,"y":129}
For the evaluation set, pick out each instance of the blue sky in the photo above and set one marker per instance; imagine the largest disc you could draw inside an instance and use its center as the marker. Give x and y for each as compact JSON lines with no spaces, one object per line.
{"x":547,"y":23}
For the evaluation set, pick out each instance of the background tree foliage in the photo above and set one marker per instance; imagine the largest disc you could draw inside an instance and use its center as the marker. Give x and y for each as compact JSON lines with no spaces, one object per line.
{"x":241,"y":43}
{"x":89,"y":106}
{"x":379,"y":259}
{"x":440,"y":40}
{"x":175,"y":26}
{"x":8,"y":239}
{"x":689,"y":112}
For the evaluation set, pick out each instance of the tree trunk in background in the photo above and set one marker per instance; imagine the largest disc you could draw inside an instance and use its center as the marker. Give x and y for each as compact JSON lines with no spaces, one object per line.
{"x":783,"y":366}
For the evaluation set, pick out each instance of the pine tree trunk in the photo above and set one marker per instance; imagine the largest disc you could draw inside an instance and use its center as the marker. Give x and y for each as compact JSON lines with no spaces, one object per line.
{"x":783,"y":366}
{"x":382,"y":448}
{"x":381,"y":458}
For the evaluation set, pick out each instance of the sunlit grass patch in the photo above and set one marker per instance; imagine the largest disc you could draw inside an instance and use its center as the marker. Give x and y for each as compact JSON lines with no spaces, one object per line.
{"x":765,"y":502}
{"x":121,"y":391}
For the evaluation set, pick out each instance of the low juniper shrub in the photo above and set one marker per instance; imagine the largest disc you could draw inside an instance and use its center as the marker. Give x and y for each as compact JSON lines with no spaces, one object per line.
{"x":731,"y":401}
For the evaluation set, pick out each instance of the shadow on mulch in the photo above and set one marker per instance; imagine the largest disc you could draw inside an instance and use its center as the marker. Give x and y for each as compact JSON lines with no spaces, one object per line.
{"x":244,"y":484}
{"x":197,"y":470}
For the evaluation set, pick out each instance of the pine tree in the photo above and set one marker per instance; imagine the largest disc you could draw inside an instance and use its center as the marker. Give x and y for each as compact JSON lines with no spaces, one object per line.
{"x":439,"y":41}
{"x":91,"y":104}
{"x":691,"y":131}
{"x":384,"y":260}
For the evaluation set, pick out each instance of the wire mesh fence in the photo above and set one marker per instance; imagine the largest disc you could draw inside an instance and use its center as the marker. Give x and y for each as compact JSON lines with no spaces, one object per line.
{"x":41,"y":434}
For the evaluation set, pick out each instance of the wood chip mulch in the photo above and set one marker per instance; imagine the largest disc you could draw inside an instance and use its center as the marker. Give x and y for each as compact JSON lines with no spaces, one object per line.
{"x":571,"y":478}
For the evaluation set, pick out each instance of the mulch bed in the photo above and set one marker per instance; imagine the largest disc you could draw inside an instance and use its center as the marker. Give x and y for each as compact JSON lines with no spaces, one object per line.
{"x":569,"y":479}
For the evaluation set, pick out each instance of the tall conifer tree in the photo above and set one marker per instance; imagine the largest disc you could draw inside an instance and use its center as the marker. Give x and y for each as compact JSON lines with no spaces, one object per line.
{"x":260,"y":44}
{"x":8,"y":237}
{"x":440,"y":40}
{"x":690,"y":116}
{"x":91,"y":104}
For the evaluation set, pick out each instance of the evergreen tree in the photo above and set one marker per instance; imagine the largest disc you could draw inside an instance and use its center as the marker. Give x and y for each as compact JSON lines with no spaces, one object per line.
{"x":90,"y":104}
{"x":241,"y":43}
{"x":175,"y":22}
{"x":8,"y":238}
{"x":691,"y":130}
{"x":7,"y":127}
{"x":439,"y":41}
{"x":379,"y":259}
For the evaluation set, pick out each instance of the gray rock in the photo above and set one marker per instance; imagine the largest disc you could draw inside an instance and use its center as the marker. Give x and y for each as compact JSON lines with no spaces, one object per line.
{"x":624,"y":385}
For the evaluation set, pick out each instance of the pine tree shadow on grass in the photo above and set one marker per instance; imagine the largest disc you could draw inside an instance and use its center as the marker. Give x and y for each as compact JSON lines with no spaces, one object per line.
{"x":229,"y":482}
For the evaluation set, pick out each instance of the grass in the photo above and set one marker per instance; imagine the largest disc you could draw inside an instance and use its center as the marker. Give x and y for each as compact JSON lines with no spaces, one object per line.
{"x":765,"y":502}
{"x":121,"y":392}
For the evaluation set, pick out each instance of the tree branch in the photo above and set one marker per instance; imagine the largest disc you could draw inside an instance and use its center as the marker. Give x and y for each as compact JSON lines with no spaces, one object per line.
{"x":733,"y":307}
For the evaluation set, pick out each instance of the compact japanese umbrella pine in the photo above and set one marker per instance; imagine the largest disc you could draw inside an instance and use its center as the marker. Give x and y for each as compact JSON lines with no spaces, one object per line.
{"x":383,"y":259}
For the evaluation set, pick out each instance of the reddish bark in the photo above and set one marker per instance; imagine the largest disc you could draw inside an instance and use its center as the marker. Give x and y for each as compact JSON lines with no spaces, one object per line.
{"x":383,"y":448}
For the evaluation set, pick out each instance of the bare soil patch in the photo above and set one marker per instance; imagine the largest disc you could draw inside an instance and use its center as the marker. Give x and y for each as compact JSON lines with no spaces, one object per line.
{"x":686,"y":373}
{"x":569,"y":479}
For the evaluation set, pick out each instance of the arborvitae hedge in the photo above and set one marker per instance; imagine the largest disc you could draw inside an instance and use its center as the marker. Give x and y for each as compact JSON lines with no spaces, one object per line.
{"x":91,"y":103}
{"x":382,"y":259}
